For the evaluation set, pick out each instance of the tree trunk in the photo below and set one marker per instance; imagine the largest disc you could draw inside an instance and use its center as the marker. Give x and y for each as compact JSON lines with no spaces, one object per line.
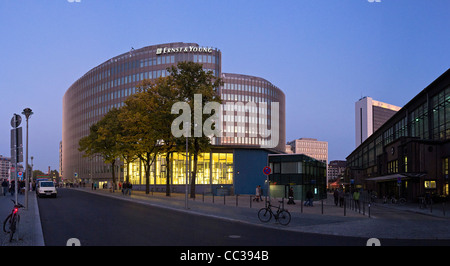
{"x":194,"y":174}
{"x":128,"y":172}
{"x":147,"y":174}
{"x":168,"y":174}
{"x":113,"y":166}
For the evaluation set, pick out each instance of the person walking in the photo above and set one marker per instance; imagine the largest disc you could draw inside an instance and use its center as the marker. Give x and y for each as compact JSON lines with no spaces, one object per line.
{"x":257,"y":196}
{"x":260,"y":192}
{"x":291,"y":196}
{"x":4,"y":186}
{"x":341,"y":198}
{"x":309,"y":198}
{"x":356,"y":195}
{"x":336,"y":197}
{"x":130,"y":187}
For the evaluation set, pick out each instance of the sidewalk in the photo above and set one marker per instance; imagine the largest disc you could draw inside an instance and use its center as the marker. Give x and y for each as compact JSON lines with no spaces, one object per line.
{"x":384,"y":222}
{"x":30,"y":230}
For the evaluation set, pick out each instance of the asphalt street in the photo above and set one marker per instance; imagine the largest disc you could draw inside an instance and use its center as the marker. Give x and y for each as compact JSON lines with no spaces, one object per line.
{"x":97,"y":220}
{"x":101,"y":221}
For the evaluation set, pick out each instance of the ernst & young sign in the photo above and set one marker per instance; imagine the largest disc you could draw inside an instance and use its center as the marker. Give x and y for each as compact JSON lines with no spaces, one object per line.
{"x":187,"y":49}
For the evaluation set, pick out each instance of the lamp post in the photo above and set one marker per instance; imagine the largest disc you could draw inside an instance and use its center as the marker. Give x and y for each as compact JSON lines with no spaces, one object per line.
{"x":27,"y":112}
{"x":187,"y":168}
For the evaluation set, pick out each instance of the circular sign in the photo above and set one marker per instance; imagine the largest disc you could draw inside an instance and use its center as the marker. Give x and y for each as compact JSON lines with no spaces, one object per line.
{"x":16,"y":120}
{"x":267,"y":170}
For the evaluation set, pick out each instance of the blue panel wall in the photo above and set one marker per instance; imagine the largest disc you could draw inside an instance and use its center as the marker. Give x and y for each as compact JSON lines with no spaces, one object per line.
{"x":248,"y":170}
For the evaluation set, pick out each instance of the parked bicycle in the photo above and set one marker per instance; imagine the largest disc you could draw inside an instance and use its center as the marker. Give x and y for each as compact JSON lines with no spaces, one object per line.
{"x":281,"y":215}
{"x":12,"y":221}
{"x":400,"y":201}
{"x":394,"y":200}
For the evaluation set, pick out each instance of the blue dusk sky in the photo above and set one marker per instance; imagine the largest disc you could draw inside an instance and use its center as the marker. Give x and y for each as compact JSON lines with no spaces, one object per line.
{"x":324,"y":54}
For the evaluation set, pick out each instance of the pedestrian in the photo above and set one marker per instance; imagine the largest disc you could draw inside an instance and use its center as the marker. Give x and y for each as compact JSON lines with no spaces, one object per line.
{"x":291,"y":196}
{"x":309,"y":199}
{"x":12,"y":187}
{"x":356,"y":195}
{"x":256,"y":194}
{"x":336,"y":197}
{"x":341,"y":197}
{"x":4,"y":186}
{"x":260,"y":192}
{"x":130,"y":187}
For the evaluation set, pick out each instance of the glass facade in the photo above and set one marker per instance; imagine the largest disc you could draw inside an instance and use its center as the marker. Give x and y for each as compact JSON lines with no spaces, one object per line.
{"x":299,"y":171}
{"x":213,"y":168}
{"x":424,"y":122}
{"x":249,"y":124}
{"x":110,"y":83}
{"x":413,"y":147}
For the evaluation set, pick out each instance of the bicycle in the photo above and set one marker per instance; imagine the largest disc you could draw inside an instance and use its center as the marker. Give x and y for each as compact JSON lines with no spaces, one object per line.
{"x":12,"y":220}
{"x":400,"y":201}
{"x":282,"y":215}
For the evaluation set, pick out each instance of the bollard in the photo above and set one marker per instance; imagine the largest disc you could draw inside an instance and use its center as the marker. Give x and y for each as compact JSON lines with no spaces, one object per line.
{"x":236,"y":200}
{"x":301,"y":206}
{"x":322,"y":206}
{"x":223,"y":199}
{"x":213,"y":197}
{"x":443,"y":208}
{"x":369,"y":209}
{"x":250,"y":201}
{"x":345,"y":204}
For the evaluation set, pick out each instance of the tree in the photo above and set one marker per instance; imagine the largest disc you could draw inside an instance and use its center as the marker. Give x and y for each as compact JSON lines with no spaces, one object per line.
{"x":104,"y":140}
{"x":190,"y":79}
{"x":166,"y":95}
{"x":143,"y":125}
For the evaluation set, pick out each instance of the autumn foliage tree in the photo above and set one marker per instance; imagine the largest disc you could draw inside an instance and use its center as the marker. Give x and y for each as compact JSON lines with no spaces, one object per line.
{"x":142,"y":127}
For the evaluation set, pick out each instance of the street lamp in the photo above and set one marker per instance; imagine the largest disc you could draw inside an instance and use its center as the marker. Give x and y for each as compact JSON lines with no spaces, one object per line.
{"x":27,"y":112}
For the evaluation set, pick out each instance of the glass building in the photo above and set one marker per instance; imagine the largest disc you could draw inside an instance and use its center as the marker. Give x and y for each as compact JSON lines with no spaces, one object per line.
{"x":408,"y":155}
{"x":297,"y":171}
{"x":253,"y":120}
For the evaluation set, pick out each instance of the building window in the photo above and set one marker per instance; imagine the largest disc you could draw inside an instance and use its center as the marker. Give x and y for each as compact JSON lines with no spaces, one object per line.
{"x":393,"y":167}
{"x":430,"y":184}
{"x":405,"y":162}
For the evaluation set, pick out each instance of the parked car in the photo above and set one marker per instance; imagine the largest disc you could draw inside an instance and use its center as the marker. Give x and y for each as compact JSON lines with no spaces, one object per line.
{"x":46,"y":188}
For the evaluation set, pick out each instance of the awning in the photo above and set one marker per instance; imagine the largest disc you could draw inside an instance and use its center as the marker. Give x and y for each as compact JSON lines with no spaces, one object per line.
{"x":386,"y":177}
{"x":395,"y":177}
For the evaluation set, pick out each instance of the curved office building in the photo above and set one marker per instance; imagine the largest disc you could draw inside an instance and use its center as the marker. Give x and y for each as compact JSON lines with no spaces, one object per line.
{"x":253,"y":120}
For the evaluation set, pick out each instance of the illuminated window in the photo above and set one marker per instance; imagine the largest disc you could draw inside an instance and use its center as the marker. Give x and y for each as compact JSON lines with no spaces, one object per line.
{"x":406,"y":163}
{"x":430,"y":184}
{"x":219,"y":171}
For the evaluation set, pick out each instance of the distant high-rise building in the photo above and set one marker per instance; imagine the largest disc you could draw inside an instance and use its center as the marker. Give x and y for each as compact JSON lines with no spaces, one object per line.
{"x":5,"y":166}
{"x":311,"y":147}
{"x":369,"y":116}
{"x":336,"y":169}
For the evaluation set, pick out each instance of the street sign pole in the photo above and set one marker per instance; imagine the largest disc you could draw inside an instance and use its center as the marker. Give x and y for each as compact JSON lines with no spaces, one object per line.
{"x":16,"y":149}
{"x":267,"y":171}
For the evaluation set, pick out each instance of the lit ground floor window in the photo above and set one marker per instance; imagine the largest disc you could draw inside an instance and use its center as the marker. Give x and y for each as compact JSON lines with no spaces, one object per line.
{"x":212,"y":168}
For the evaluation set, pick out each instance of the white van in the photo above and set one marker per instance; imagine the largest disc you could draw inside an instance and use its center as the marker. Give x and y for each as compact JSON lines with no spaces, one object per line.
{"x":46,"y":188}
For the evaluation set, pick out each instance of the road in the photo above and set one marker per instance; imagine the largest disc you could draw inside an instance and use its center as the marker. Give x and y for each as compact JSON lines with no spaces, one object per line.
{"x":102,"y":221}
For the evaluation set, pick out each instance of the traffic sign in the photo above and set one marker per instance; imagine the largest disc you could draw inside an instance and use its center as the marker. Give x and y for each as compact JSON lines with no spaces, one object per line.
{"x":267,"y":170}
{"x":16,"y":120}
{"x":19,"y":174}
